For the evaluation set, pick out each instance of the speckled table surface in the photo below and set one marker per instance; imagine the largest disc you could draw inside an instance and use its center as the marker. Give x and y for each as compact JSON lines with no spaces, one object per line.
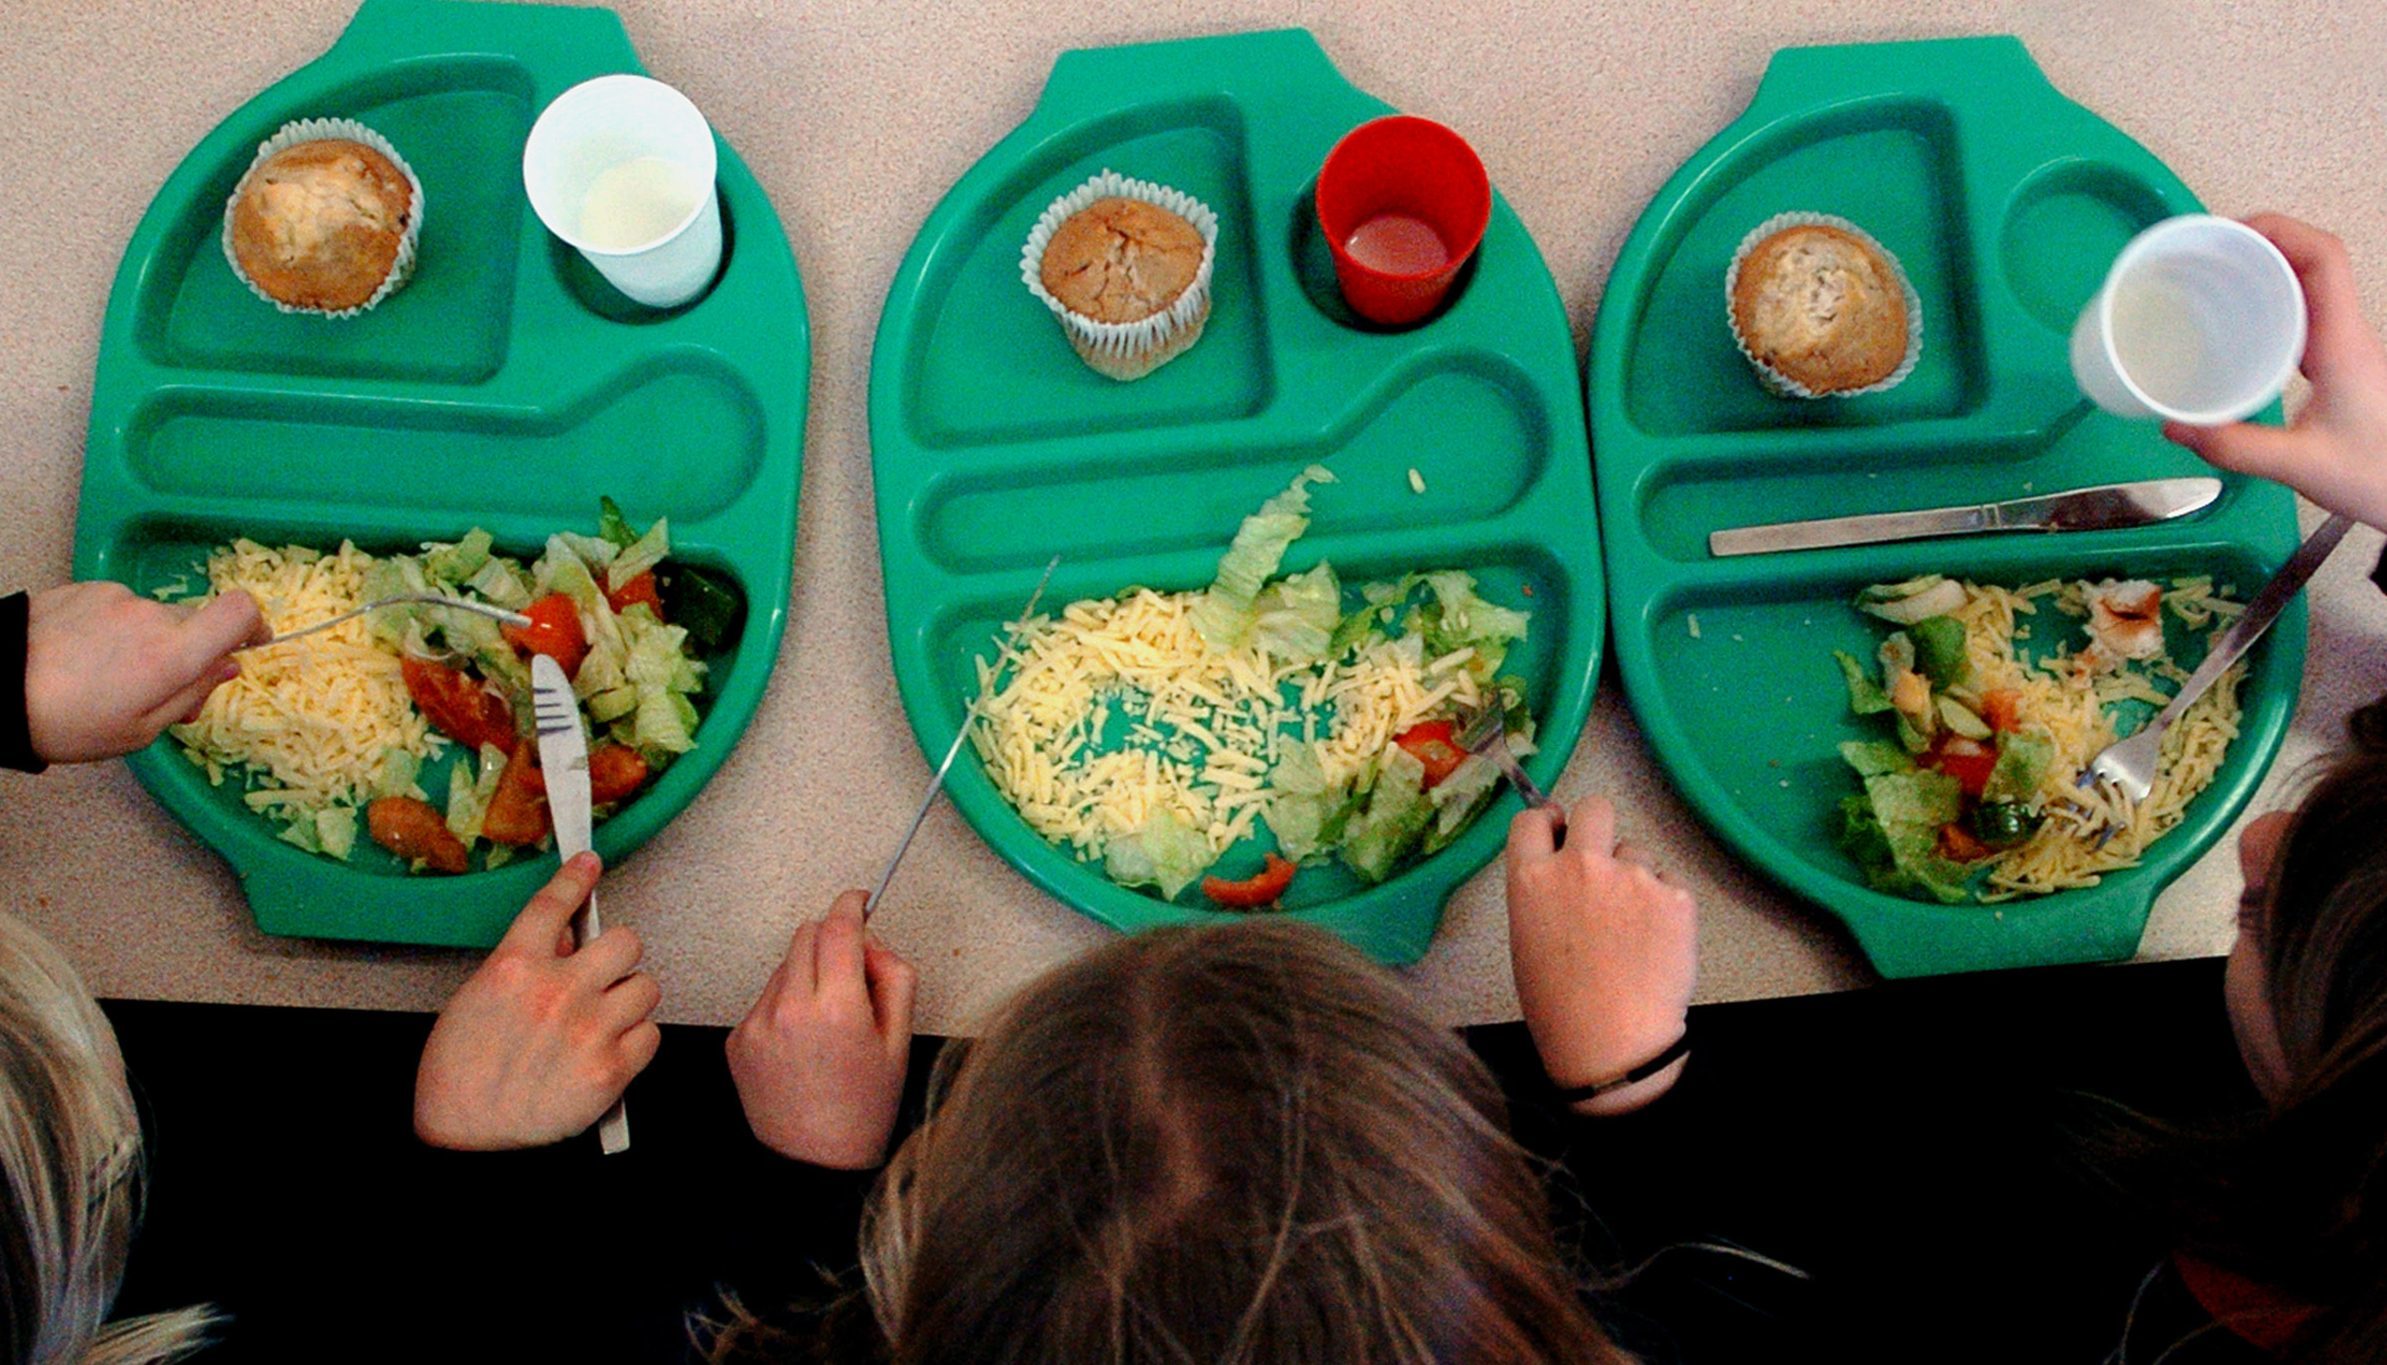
{"x":857,"y":115}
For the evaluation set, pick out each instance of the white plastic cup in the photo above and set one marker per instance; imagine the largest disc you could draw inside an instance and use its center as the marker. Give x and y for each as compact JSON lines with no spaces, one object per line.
{"x":592,"y":146}
{"x":2200,"y":321}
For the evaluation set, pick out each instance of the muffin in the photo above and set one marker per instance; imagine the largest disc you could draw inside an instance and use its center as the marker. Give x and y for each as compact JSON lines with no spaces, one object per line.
{"x":325,"y":220}
{"x":1821,"y":310}
{"x":1125,"y":266}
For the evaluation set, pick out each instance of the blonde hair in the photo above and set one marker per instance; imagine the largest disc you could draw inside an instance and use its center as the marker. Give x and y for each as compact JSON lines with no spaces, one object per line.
{"x":1231,"y":1144}
{"x":70,"y":1153}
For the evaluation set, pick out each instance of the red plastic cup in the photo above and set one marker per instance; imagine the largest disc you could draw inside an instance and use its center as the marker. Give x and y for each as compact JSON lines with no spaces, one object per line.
{"x":1403,"y":202}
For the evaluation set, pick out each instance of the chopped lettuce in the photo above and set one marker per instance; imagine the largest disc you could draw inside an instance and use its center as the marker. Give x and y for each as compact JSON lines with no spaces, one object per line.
{"x":1875,"y":757}
{"x":1860,"y":836}
{"x":1453,"y":617}
{"x":1916,"y":866}
{"x":399,"y":769}
{"x":336,"y":830}
{"x":639,"y":556}
{"x":1897,"y":653}
{"x":452,"y":566}
{"x":330,"y":831}
{"x":2022,"y":760}
{"x":1460,"y":619}
{"x":1300,"y":802}
{"x":613,"y":526}
{"x":1919,"y":797}
{"x":1939,"y":650}
{"x":1393,"y":819}
{"x":393,"y":576}
{"x":596,"y":552}
{"x":1355,"y":628}
{"x":1166,"y":852}
{"x":499,"y":581}
{"x":1294,"y":618}
{"x":469,"y":797}
{"x":1224,"y":617}
{"x":1962,"y":719}
{"x":1865,"y":696}
{"x":1913,"y":600}
{"x":661,"y":676}
{"x":1899,"y":857}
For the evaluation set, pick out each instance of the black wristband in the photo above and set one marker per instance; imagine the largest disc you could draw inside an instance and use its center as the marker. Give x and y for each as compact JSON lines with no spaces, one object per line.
{"x":1675,"y":1052}
{"x":16,"y":729}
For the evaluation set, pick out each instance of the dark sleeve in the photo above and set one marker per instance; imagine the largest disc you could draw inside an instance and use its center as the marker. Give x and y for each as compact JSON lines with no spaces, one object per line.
{"x":2378,"y":574}
{"x":617,"y":1258}
{"x":16,"y":731}
{"x":790,"y":1286}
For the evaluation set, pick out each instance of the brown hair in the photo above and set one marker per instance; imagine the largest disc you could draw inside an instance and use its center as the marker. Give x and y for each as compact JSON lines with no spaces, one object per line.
{"x":2296,"y":1197}
{"x":1226,"y":1144}
{"x":70,"y":1159}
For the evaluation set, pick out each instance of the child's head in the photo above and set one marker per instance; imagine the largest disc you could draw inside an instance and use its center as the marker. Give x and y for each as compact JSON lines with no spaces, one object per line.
{"x":2307,"y":988}
{"x":70,"y":1152}
{"x":1224,"y":1144}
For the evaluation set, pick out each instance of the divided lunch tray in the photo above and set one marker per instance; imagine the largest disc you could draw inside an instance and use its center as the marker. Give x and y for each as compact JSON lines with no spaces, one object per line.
{"x":994,"y":447}
{"x":504,"y":386}
{"x":2005,"y":202}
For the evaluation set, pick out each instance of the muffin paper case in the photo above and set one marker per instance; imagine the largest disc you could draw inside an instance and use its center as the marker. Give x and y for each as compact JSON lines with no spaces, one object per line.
{"x":1774,"y":380}
{"x":1127,"y":350}
{"x":317,"y":130}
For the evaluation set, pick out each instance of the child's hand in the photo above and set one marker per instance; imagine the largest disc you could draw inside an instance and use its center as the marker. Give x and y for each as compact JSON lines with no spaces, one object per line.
{"x":106,"y":670}
{"x":542,"y":1040}
{"x":1605,"y":953}
{"x":2336,"y":453}
{"x":820,"y":1059}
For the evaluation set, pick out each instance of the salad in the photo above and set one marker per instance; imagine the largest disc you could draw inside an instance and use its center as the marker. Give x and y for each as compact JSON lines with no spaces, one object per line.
{"x":1155,"y":733}
{"x":626,"y":628}
{"x":1974,"y":795}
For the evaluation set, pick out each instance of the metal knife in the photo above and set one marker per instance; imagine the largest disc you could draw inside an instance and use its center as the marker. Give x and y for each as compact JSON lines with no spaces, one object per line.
{"x":2101,"y":508}
{"x":563,"y":756}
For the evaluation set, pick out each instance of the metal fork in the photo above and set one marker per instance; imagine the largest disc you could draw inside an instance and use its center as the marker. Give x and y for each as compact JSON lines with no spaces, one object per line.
{"x":2129,"y":764}
{"x":429,"y":599}
{"x":1485,"y":734}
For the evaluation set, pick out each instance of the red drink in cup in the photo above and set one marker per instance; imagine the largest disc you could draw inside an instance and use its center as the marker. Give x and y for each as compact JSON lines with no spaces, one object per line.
{"x":1403,"y":202}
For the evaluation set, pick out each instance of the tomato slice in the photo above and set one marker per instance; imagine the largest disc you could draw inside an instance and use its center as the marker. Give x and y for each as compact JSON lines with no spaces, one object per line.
{"x":461,"y":708}
{"x":2002,"y":708}
{"x":554,"y":631}
{"x":1430,"y":743}
{"x":614,"y":771}
{"x":413,"y":830}
{"x":1251,"y":893}
{"x":1969,"y":763}
{"x":518,"y":810}
{"x":639,"y":589}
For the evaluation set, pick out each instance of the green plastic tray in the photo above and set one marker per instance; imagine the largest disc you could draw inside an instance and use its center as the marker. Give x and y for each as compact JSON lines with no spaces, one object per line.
{"x":2005,"y":202}
{"x":505,"y":386}
{"x":994,"y":447}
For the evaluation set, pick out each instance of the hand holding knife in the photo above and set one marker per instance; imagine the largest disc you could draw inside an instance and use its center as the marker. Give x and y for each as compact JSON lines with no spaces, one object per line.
{"x":563,"y":757}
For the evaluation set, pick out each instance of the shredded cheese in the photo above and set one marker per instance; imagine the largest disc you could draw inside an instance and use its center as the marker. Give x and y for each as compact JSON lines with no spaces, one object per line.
{"x":1043,"y":732}
{"x":315,"y":719}
{"x":2094,"y":830}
